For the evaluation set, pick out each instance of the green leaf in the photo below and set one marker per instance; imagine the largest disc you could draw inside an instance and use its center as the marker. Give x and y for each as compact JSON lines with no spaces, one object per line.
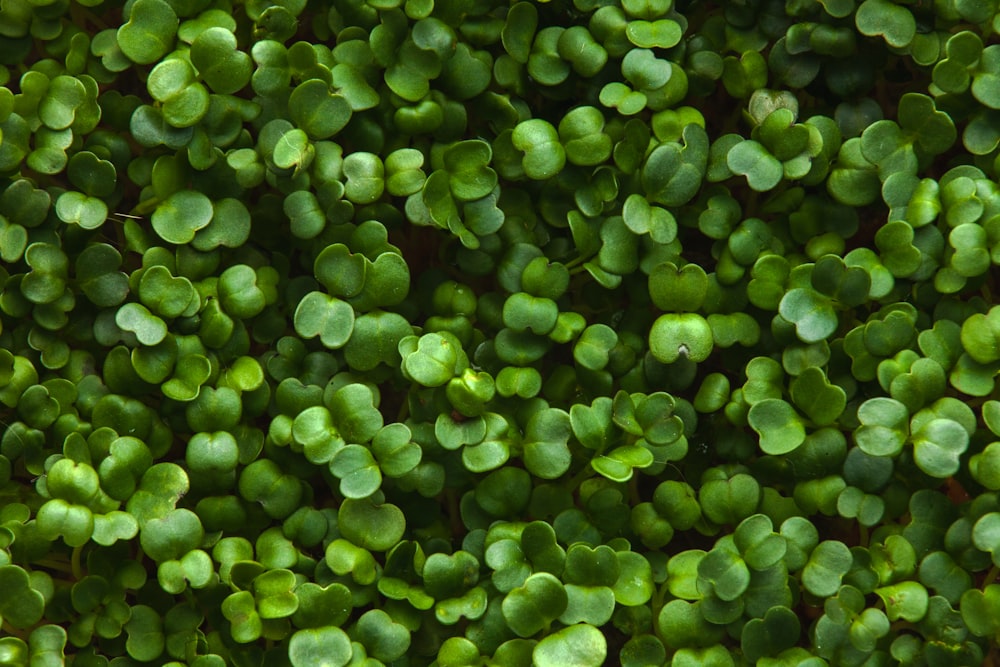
{"x":906,"y":600}
{"x":94,"y":176}
{"x":229,"y":226}
{"x":136,"y":318}
{"x":98,"y":275}
{"x":523,"y":312}
{"x":384,"y":638}
{"x":618,"y":464}
{"x":662,"y":33}
{"x":728,"y":500}
{"x":170,"y":537}
{"x":519,"y":30}
{"x":181,"y":215}
{"x":884,"y":426}
{"x":678,"y":289}
{"x":293,"y":151}
{"x":986,"y":83}
{"x":59,"y":518}
{"x":780,"y":428}
{"x":239,"y":609}
{"x":680,"y":335}
{"x":724,"y":573}
{"x":220,"y":63}
{"x":810,"y":312}
{"x":365,"y":177}
{"x":322,"y":606}
{"x":894,"y":23}
{"x":433,"y":359}
{"x":22,"y":606}
{"x":273,"y":594}
{"x":763,"y":171}
{"x":821,"y":401}
{"x":979,"y":610}
{"x":546,"y":451}
{"x":777,"y":631}
{"x":146,"y":641}
{"x":469,"y":175}
{"x":538,"y":140}
{"x":319,"y":647}
{"x":324,"y":316}
{"x":933,"y":129}
{"x":166,"y":295}
{"x":581,"y":132}
{"x":318,"y":111}
{"x":580,"y":645}
{"x":980,"y":336}
{"x":828,"y":563}
{"x":672,"y":173}
{"x":149,"y":32}
{"x":212,"y":452}
{"x":533,"y":605}
{"x":938,"y":447}
{"x":264,"y":482}
{"x":681,"y":624}
{"x":370,"y":525}
{"x":358,"y":471}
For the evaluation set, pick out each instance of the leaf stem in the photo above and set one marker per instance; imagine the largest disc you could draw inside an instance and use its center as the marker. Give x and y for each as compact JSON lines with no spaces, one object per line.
{"x":633,"y":490}
{"x":404,"y":409}
{"x":454,"y":513}
{"x":55,"y":565}
{"x":75,"y":564}
{"x":585,"y":473}
{"x":7,"y":631}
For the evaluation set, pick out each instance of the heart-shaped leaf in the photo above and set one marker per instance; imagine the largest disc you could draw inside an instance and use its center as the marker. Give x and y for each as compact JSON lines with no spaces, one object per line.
{"x":820,"y":400}
{"x":220,"y":63}
{"x":780,"y":428}
{"x":678,"y":289}
{"x":533,"y":605}
{"x":80,"y":209}
{"x":672,"y":173}
{"x":324,"y":316}
{"x":181,"y":215}
{"x":763,"y":171}
{"x":894,"y":23}
{"x":938,"y":446}
{"x":377,"y":527}
{"x":149,"y":32}
{"x":811,"y":313}
{"x":318,"y":111}
{"x":384,"y":638}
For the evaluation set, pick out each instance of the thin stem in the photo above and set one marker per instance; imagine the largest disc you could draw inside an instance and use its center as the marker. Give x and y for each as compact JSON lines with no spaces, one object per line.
{"x":657,"y":601}
{"x":454,"y":513}
{"x":75,"y":565}
{"x":404,"y":409}
{"x":7,"y":631}
{"x":633,"y":490}
{"x":585,"y":473}
{"x":55,"y":565}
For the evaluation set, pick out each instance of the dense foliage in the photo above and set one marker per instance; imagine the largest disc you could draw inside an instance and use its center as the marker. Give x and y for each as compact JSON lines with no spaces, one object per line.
{"x":465,"y":332}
